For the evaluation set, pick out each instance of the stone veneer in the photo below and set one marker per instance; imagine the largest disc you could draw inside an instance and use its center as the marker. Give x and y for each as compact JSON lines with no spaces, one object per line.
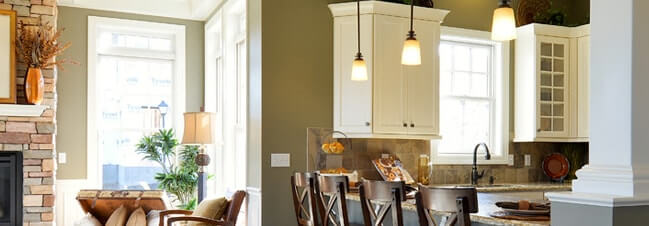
{"x":34,"y":136}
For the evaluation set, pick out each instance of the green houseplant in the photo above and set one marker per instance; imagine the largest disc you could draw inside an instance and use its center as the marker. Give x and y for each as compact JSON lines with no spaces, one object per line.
{"x":179,"y":174}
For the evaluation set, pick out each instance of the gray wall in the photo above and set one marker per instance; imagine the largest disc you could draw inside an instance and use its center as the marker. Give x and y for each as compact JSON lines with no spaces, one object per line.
{"x":72,"y":82}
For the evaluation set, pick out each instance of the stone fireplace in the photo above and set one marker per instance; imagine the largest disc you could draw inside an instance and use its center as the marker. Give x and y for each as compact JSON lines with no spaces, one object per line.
{"x":31,"y":130}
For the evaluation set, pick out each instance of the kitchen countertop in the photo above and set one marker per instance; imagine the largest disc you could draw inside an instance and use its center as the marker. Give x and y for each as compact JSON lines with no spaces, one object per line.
{"x":489,"y":195}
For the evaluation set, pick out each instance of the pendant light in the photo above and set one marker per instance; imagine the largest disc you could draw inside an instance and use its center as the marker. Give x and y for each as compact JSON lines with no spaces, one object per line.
{"x":503,"y":27}
{"x":359,"y":68}
{"x":411,"y":54}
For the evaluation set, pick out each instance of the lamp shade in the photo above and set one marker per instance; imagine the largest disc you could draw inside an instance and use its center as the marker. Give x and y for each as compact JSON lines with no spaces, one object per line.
{"x":411,"y":54}
{"x":503,"y":27}
{"x":359,"y":70}
{"x":199,"y":128}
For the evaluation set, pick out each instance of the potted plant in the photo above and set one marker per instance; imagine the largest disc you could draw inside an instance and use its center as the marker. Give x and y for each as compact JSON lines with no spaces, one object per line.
{"x":179,"y":174}
{"x":37,"y":47}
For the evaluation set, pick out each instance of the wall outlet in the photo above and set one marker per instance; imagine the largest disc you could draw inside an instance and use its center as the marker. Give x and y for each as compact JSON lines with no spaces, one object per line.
{"x":280,"y":160}
{"x":63,"y":158}
{"x":510,"y":160}
{"x":528,"y":160}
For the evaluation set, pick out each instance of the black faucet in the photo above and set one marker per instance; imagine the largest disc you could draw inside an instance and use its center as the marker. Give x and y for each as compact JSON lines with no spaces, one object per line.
{"x":475,"y":176}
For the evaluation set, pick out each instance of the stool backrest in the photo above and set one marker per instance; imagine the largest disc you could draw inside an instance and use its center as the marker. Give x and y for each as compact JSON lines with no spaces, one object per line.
{"x":460,"y":200}
{"x":304,"y":198}
{"x":384,"y":195}
{"x":332,"y":197}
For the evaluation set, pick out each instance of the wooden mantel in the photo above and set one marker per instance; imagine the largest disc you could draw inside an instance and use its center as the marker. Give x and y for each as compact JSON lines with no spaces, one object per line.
{"x":22,"y":110}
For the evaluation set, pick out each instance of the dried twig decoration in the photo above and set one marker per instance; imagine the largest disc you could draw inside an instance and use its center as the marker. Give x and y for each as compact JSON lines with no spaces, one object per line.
{"x":39,"y":46}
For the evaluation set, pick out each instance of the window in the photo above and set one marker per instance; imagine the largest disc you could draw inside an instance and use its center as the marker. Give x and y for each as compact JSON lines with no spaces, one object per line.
{"x":473,"y":96}
{"x":135,"y":88}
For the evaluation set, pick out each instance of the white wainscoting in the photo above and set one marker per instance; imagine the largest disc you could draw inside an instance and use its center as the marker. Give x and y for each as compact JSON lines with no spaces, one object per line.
{"x":254,"y":206}
{"x":67,"y":208}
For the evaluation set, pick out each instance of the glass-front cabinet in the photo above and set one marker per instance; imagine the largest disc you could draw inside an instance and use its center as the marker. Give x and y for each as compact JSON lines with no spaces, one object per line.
{"x":551,"y":84}
{"x":553,"y":96}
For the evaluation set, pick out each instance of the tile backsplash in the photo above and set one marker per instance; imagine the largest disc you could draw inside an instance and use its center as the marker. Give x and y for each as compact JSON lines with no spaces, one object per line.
{"x":359,"y":152}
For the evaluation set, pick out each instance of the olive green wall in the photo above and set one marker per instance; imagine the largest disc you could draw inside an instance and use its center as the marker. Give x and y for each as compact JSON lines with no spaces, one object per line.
{"x":297,"y":84}
{"x":297,"y":92}
{"x":72,"y":82}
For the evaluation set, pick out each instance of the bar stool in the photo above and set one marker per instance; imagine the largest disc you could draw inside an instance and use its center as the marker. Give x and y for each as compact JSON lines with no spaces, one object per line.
{"x":332,"y":195}
{"x":384,"y":195}
{"x":304,"y":198}
{"x":460,"y":201}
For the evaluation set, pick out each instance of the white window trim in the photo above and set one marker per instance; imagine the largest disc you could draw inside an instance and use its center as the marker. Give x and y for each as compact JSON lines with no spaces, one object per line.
{"x":94,"y":169}
{"x":501,"y":76}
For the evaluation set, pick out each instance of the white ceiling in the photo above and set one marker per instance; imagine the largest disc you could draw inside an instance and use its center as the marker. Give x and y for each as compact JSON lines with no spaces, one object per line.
{"x":182,"y":9}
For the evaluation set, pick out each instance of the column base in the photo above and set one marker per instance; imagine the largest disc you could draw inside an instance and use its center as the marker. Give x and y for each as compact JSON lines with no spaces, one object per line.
{"x":612,"y":180}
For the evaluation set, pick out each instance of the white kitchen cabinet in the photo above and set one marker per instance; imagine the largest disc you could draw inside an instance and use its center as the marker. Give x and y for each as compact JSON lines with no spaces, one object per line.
{"x":396,"y":101}
{"x":551,"y":84}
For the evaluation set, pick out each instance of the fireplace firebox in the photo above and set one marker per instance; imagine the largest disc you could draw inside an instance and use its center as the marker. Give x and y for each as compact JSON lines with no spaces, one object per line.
{"x":11,"y":188}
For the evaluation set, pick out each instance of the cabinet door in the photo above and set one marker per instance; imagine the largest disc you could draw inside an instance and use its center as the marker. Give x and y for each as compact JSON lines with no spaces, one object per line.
{"x":552,"y":90}
{"x":389,"y":84}
{"x":583,"y":85}
{"x":352,"y":99}
{"x":423,"y":83}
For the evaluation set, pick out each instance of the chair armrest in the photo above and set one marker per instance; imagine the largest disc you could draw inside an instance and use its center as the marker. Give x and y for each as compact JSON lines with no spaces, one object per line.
{"x":169,"y":212}
{"x":197,"y":219}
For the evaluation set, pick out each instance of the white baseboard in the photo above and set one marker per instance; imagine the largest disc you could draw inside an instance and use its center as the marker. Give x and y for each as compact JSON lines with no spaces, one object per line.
{"x":254,"y":206}
{"x":67,"y":209}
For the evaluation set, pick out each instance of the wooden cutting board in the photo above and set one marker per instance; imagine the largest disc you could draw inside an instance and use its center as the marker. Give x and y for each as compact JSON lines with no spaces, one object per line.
{"x":505,"y":215}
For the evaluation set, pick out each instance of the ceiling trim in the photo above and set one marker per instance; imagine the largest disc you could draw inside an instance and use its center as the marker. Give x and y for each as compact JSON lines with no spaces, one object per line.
{"x":181,"y":9}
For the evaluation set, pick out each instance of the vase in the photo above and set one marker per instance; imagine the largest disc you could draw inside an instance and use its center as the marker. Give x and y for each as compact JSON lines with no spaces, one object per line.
{"x":34,"y":86}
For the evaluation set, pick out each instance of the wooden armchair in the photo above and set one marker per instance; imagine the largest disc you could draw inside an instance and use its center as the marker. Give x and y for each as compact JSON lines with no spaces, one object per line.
{"x":228,"y":219}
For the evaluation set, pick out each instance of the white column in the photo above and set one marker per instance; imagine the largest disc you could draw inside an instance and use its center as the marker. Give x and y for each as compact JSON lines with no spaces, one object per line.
{"x":618,"y":170}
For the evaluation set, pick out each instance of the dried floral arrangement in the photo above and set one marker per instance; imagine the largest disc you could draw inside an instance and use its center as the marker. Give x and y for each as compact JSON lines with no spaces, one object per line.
{"x":38,"y":46}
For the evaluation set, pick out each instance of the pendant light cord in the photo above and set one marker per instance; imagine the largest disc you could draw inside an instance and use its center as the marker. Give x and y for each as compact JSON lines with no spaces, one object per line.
{"x":412,"y":13}
{"x":358,"y":29}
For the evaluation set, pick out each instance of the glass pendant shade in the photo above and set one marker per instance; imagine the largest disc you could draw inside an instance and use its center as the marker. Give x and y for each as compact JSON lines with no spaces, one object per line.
{"x":503,"y":27}
{"x":411,"y":54}
{"x":359,"y":70}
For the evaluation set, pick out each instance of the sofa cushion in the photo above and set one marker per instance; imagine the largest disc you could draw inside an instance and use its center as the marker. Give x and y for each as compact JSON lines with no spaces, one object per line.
{"x":210,"y":208}
{"x":137,"y":218}
{"x":118,"y":217}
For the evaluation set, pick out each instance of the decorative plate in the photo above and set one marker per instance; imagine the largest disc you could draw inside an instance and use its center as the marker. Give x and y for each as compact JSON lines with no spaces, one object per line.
{"x":527,"y":10}
{"x":556,"y":166}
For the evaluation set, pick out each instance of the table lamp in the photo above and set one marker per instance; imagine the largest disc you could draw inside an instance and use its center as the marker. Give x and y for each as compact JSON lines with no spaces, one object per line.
{"x":199,"y":131}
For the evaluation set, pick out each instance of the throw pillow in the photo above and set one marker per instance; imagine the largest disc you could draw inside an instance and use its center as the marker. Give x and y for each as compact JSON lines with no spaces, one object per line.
{"x":118,"y":217}
{"x":153,"y":218}
{"x":210,"y":208}
{"x":87,"y":220}
{"x":137,"y":218}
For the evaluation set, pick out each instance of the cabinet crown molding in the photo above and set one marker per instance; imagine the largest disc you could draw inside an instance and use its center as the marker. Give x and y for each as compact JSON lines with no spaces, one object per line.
{"x":389,"y":9}
{"x":555,"y":30}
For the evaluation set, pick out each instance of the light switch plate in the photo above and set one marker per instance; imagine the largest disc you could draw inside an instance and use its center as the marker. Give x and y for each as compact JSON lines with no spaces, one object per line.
{"x":385,"y":156}
{"x":510,"y":160}
{"x":63,"y":158}
{"x":528,"y":160}
{"x":280,"y":160}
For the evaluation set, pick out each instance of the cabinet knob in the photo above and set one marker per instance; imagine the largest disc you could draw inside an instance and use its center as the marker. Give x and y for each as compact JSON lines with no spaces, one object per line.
{"x":367,"y":124}
{"x":412,"y":125}
{"x":405,"y":124}
{"x":538,"y":130}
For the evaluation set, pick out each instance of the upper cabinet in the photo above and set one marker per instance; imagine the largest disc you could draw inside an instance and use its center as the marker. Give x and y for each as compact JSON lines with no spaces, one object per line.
{"x":551,"y":83}
{"x":396,"y":101}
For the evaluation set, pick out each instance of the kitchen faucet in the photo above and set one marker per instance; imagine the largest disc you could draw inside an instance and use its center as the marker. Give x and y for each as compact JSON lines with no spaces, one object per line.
{"x":475,"y":176}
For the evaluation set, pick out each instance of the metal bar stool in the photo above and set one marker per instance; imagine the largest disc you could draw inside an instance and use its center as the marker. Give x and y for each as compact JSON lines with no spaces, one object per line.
{"x":385,"y":196}
{"x":460,"y":201}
